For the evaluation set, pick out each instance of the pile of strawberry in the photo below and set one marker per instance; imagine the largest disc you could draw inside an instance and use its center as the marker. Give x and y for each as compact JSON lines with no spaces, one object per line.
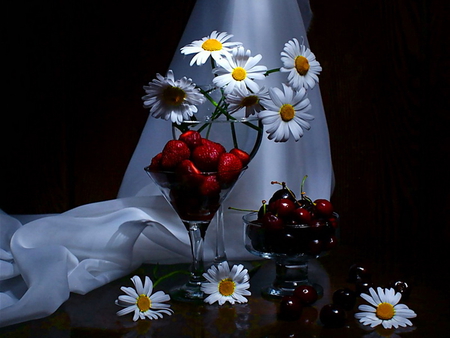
{"x":291,"y":226}
{"x":198,"y":170}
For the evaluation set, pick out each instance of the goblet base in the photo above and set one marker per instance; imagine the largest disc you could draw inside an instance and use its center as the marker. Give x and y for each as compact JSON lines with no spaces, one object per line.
{"x":189,"y":292}
{"x":290,"y":274}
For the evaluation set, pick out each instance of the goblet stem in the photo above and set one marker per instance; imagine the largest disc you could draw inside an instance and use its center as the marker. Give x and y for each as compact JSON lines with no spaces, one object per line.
{"x":196,"y":237}
{"x":191,"y":291}
{"x":220,"y":253}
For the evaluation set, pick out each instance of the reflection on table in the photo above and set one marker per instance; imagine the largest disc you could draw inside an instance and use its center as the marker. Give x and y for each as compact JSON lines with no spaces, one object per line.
{"x":94,"y":314}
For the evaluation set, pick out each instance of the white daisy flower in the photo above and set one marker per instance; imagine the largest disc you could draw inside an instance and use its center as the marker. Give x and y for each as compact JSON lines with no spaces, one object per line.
{"x":239,"y":71}
{"x":285,"y":113}
{"x":170,"y":99}
{"x":244,"y":99}
{"x":214,"y":45}
{"x":142,"y":302}
{"x":385,"y":309}
{"x":301,"y":64}
{"x":225,"y":285}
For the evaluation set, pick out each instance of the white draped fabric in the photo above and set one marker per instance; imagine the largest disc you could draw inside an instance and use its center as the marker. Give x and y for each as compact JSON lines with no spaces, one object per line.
{"x":43,"y":260}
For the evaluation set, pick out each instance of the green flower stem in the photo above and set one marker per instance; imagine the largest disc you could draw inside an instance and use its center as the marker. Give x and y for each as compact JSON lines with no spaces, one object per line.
{"x":270,"y":71}
{"x":170,"y":274}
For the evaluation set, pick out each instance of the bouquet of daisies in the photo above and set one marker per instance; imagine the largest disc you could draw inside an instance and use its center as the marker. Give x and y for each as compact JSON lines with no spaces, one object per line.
{"x":240,"y":78}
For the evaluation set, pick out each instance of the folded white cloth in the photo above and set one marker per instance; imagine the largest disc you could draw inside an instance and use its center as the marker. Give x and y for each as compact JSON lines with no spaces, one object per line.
{"x":44,"y":260}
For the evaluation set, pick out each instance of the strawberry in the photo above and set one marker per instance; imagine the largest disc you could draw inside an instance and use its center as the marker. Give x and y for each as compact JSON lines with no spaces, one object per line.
{"x":188,"y":173}
{"x":210,"y":186}
{"x":229,"y":168}
{"x":155,"y":164}
{"x":242,"y":155}
{"x":206,"y":156}
{"x":173,"y":153}
{"x":220,"y":148}
{"x":192,"y":138}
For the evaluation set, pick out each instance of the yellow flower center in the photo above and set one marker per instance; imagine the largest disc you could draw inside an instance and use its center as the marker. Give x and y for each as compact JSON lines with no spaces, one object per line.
{"x":239,"y":73}
{"x":385,"y":311}
{"x":212,"y":45}
{"x":143,"y":303}
{"x":301,"y":64}
{"x":249,"y":101}
{"x":287,"y":112}
{"x":226,"y":287}
{"x":173,"y":95}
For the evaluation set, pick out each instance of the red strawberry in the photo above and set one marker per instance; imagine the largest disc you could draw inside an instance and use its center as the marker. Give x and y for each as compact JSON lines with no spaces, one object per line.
{"x":220,"y":148}
{"x":173,"y":153}
{"x":155,"y":164}
{"x":192,"y":138}
{"x":210,"y":186}
{"x":188,"y":173}
{"x":242,"y":155}
{"x":206,"y":157}
{"x":229,"y":168}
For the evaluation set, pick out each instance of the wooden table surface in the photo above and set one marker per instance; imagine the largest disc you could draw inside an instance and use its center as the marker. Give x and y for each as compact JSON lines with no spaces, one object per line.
{"x":93,"y":314}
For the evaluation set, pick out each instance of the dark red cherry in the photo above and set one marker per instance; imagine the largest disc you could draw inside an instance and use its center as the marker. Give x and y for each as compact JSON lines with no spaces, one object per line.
{"x":363,"y":286}
{"x":272,"y":222}
{"x":283,"y":207}
{"x":345,"y":298}
{"x":306,"y":294}
{"x":358,"y":272}
{"x":330,"y":242}
{"x":402,"y":287}
{"x":323,"y":207}
{"x":262,"y":210}
{"x":333,"y":222}
{"x":332,"y":316}
{"x":282,"y":193}
{"x":290,"y":308}
{"x":301,"y":216}
{"x":315,"y":246}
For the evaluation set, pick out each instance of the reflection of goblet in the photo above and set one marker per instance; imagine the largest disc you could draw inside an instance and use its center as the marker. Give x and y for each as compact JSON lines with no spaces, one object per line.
{"x":290,"y":247}
{"x":196,"y":208}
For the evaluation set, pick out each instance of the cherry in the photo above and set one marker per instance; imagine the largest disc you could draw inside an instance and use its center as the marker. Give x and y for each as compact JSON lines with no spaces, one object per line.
{"x":282,"y":193}
{"x":402,"y":287}
{"x":301,"y":216}
{"x":332,"y":316}
{"x":306,"y":294}
{"x":363,"y":286}
{"x":345,"y":298}
{"x":272,"y":221}
{"x":323,"y":207}
{"x":358,"y":272}
{"x":330,"y":242}
{"x":333,"y":222}
{"x":290,"y":308}
{"x":315,"y":246}
{"x":283,"y":207}
{"x":262,"y":210}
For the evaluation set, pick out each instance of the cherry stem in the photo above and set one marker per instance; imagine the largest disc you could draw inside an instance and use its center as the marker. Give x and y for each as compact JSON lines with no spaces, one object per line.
{"x":238,"y":209}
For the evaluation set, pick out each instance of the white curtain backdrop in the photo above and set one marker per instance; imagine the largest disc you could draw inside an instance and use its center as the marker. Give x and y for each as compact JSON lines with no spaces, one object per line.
{"x":43,"y":260}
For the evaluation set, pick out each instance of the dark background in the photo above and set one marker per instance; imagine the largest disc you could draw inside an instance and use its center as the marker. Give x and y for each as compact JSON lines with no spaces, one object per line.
{"x":73,"y":111}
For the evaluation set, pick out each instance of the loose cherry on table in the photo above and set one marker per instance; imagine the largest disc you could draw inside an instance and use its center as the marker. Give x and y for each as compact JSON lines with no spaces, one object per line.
{"x":332,"y":316}
{"x":402,"y":287}
{"x":290,"y":308}
{"x":345,"y":298}
{"x":306,"y":294}
{"x":358,"y":272}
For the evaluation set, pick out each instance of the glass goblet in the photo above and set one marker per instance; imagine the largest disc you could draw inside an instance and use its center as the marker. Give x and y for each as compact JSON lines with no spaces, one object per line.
{"x":290,"y":248}
{"x":243,"y":133}
{"x":196,"y":210}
